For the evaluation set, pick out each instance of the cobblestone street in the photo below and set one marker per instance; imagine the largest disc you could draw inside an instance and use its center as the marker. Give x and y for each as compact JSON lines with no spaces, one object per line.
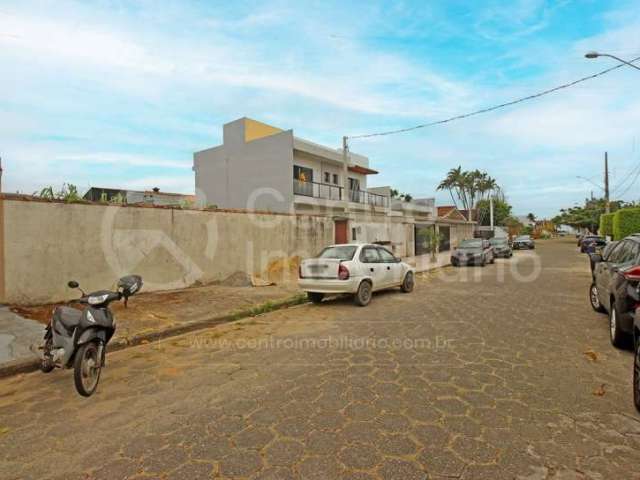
{"x":496,"y":372}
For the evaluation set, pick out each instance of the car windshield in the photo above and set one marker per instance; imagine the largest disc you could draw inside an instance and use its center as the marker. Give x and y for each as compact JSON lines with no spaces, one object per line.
{"x":498,"y":241}
{"x":471,"y":244}
{"x":342,"y":252}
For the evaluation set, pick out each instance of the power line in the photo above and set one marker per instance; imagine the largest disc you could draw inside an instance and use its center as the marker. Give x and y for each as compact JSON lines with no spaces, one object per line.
{"x":631,"y":184}
{"x":495,"y":107}
{"x":626,"y":178}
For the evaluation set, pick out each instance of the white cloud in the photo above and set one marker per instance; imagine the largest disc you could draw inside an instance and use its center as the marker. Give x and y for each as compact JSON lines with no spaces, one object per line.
{"x":354,"y":78}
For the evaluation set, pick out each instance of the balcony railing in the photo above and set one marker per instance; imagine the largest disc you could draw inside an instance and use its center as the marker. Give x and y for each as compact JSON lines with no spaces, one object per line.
{"x":334,"y":192}
{"x":317,"y":190}
{"x":368,"y":198}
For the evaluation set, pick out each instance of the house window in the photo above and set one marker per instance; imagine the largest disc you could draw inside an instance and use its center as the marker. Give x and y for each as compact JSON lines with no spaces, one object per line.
{"x":327,"y":177}
{"x":302,"y":180}
{"x":445,"y":238}
{"x":304,"y":174}
{"x":353,"y":234}
{"x":354,"y":190}
{"x":422,"y":232}
{"x":336,"y":180}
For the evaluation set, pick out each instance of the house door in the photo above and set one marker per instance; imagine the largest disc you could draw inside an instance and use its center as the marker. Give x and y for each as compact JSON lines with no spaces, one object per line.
{"x":341,"y":231}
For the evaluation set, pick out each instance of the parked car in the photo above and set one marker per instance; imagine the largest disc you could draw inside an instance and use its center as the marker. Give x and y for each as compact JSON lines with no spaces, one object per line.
{"x":501,"y":247}
{"x":358,"y":269}
{"x":590,"y":243}
{"x":636,"y":350}
{"x":615,"y":275}
{"x":476,"y":251}
{"x":522,"y":242}
{"x":604,"y":253}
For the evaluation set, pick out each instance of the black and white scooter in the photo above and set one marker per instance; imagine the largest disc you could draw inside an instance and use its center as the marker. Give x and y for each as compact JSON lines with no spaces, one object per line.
{"x":78,"y":338}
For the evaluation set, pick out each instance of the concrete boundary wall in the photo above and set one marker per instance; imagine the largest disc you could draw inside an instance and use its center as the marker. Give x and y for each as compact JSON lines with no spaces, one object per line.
{"x":46,"y":244}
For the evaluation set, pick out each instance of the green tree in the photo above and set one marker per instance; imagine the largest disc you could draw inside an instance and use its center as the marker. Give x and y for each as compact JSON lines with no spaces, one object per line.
{"x":587,"y":216}
{"x":469,"y":187}
{"x":501,"y":211}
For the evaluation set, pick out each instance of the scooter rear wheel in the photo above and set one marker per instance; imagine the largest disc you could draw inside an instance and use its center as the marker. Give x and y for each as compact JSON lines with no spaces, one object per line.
{"x":86,"y":369}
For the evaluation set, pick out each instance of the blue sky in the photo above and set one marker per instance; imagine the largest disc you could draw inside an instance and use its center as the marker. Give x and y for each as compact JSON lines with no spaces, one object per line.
{"x":115,"y":93}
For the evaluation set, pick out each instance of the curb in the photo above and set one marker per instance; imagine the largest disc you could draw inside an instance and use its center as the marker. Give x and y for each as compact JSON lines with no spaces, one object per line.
{"x":26,"y":366}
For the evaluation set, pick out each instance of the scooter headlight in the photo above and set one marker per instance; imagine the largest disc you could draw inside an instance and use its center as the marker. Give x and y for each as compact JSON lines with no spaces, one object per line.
{"x":98,"y":299}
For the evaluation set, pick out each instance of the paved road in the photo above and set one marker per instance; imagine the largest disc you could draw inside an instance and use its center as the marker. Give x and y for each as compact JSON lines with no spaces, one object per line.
{"x":480,"y":373}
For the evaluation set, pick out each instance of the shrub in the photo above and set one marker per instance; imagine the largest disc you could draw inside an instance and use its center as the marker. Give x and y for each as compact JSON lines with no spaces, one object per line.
{"x":625,"y":222}
{"x":606,"y":224}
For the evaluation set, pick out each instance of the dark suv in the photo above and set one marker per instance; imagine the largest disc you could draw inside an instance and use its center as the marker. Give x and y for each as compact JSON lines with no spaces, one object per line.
{"x":636,"y":357}
{"x":591,"y":243}
{"x":615,"y":278}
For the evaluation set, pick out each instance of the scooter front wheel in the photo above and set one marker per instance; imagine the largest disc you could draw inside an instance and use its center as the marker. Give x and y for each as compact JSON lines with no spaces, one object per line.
{"x":87,"y":368}
{"x":46,"y":362}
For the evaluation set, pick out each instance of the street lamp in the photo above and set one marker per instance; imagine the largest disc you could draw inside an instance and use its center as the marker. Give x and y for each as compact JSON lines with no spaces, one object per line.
{"x":596,"y":55}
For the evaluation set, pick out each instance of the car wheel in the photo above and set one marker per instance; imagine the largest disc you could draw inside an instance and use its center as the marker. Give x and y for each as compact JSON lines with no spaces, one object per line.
{"x":617,"y":336}
{"x":363,"y":295}
{"x":315,"y":297}
{"x":493,"y":259}
{"x":636,"y":376}
{"x":454,"y":262}
{"x":594,"y":300}
{"x":408,"y":283}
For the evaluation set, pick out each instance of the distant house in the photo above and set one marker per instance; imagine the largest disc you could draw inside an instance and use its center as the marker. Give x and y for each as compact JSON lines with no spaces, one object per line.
{"x":261,"y":167}
{"x":450,"y":212}
{"x":138,"y":197}
{"x":485,"y":231}
{"x":524,"y":220}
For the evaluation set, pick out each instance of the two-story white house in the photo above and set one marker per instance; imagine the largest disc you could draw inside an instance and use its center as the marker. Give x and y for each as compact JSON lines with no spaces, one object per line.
{"x":264,"y":168}
{"x":260,"y":167}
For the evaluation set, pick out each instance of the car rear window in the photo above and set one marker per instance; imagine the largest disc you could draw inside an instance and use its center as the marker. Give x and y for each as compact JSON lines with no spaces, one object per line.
{"x":498,"y":241}
{"x":343,"y":252}
{"x":471,"y":244}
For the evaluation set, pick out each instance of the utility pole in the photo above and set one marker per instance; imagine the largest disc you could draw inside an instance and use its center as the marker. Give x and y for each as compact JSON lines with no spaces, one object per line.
{"x":345,"y":172}
{"x":491,"y":211}
{"x":607,"y":206}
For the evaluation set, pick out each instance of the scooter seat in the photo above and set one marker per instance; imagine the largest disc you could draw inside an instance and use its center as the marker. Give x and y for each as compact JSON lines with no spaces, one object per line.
{"x":68,"y":317}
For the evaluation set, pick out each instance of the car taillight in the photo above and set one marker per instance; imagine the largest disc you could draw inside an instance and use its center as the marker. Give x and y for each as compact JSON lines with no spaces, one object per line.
{"x":343,"y":272}
{"x":300,"y":272}
{"x":633,"y":273}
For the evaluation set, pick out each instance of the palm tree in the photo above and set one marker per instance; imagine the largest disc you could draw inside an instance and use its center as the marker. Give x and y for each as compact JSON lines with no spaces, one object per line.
{"x":455,"y":182}
{"x":531,"y":217}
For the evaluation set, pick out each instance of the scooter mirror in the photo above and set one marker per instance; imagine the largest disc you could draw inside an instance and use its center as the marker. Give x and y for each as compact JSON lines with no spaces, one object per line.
{"x":73,"y":284}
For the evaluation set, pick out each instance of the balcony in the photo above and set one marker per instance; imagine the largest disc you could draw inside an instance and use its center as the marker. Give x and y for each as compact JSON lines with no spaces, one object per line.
{"x":327,"y":191}
{"x":368,"y":198}
{"x":317,"y":190}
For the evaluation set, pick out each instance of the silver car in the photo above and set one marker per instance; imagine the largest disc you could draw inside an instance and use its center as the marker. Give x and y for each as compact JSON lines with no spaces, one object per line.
{"x":501,"y":247}
{"x":474,"y":251}
{"x":358,"y":269}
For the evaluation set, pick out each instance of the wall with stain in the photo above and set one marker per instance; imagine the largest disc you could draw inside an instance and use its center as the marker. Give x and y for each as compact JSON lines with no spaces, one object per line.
{"x":49,"y":243}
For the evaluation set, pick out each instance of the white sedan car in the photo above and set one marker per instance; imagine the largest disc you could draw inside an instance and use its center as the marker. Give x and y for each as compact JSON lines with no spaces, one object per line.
{"x":359,"y":269}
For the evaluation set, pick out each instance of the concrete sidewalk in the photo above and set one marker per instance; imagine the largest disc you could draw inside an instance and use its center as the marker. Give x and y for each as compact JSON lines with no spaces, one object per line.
{"x":149,"y":317}
{"x":17,"y":335}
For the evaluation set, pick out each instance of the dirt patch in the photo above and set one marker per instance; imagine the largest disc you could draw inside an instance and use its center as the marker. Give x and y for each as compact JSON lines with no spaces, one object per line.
{"x":39,"y":313}
{"x":154,"y":311}
{"x":283,"y":270}
{"x":237,"y":279}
